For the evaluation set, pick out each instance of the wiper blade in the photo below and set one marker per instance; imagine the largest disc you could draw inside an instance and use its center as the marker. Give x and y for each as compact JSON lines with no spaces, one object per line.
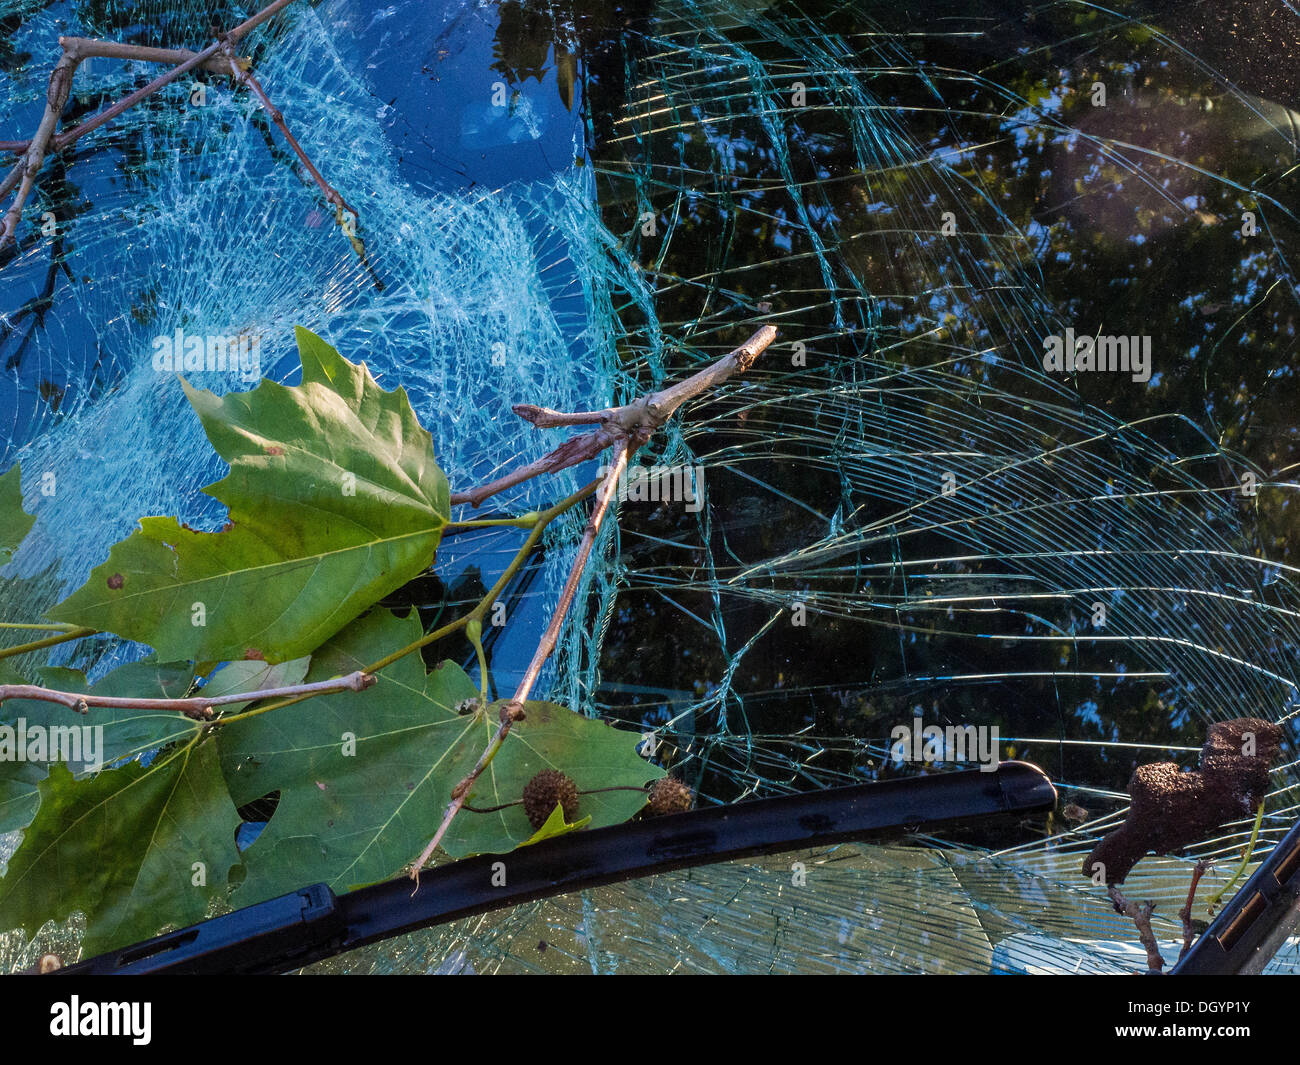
{"x":288,"y":932}
{"x":1256,"y":922}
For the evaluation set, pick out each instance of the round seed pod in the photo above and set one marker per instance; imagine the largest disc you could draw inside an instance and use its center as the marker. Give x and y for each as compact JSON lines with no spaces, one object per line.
{"x":670,"y":796}
{"x":544,"y":791}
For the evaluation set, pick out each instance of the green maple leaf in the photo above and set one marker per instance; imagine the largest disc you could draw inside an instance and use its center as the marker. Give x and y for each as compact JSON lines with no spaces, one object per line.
{"x":15,"y":523}
{"x":365,"y":776}
{"x":127,"y":847}
{"x":335,"y":501}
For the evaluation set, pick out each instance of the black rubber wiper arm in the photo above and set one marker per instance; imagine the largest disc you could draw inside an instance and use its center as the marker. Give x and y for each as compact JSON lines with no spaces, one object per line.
{"x":1256,"y":922}
{"x":285,"y":933}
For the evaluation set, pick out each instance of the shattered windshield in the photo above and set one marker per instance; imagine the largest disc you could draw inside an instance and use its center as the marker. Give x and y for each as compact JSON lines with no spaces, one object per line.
{"x":1017,"y":466}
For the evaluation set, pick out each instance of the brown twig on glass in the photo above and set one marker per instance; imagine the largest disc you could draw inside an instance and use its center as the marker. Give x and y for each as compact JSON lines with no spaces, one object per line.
{"x":514,"y":710}
{"x":628,"y":426}
{"x":22,"y":175}
{"x":197,"y":707}
{"x":634,"y":422}
{"x":344,"y":213}
{"x":1185,"y":914}
{"x":1141,"y":917}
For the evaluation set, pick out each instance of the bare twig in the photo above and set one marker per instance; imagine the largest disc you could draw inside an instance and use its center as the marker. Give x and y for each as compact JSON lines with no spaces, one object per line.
{"x":1185,"y":914}
{"x":634,"y":422}
{"x":245,"y":78}
{"x":197,"y":707}
{"x":75,"y":49}
{"x":629,"y":426}
{"x":87,"y":48}
{"x":25,"y":172}
{"x":195,"y":59}
{"x":658,"y":407}
{"x":514,"y":710}
{"x":1141,"y":916}
{"x":342,"y":209}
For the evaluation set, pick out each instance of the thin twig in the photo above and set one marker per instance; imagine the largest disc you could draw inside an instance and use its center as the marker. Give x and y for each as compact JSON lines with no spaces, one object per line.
{"x":197,"y":707}
{"x":23,"y":176}
{"x":1185,"y":914}
{"x":514,"y":710}
{"x":1141,"y":916}
{"x":480,"y":611}
{"x":55,"y":97}
{"x":634,"y":421}
{"x":657,"y":408}
{"x":344,"y":213}
{"x":196,"y":59}
{"x":89,"y":47}
{"x":246,"y":78}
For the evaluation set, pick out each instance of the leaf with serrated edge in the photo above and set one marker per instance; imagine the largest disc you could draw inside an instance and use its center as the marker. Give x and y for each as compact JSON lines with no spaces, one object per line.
{"x":15,"y":523}
{"x":335,"y":501}
{"x":121,"y":847}
{"x":357,"y":819}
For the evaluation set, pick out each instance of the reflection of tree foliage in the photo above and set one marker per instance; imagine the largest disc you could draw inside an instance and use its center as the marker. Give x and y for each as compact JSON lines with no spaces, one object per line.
{"x":528,"y":32}
{"x":20,"y":327}
{"x":1128,"y":216}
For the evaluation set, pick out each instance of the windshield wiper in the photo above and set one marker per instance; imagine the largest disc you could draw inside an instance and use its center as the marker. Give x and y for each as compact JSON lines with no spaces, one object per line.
{"x":288,"y":932}
{"x":1256,"y":922}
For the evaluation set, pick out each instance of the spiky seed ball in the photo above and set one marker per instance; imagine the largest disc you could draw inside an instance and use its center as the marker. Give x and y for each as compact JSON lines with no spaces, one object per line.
{"x":541,"y":794}
{"x":670,"y":796}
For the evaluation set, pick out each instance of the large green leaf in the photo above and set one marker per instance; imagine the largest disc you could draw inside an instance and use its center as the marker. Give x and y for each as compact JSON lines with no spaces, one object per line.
{"x":135,"y":849}
{"x":355,"y":818}
{"x":103,"y":736}
{"x":334,"y":499}
{"x":15,"y":523}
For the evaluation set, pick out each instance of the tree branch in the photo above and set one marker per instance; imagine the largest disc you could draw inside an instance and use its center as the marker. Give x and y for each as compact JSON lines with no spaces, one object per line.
{"x":332,"y":195}
{"x":1141,"y":916}
{"x":1185,"y":914}
{"x":24,"y":174}
{"x":89,"y":47}
{"x":633,"y":422}
{"x":514,"y":710}
{"x":197,"y":707}
{"x":75,"y":49}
